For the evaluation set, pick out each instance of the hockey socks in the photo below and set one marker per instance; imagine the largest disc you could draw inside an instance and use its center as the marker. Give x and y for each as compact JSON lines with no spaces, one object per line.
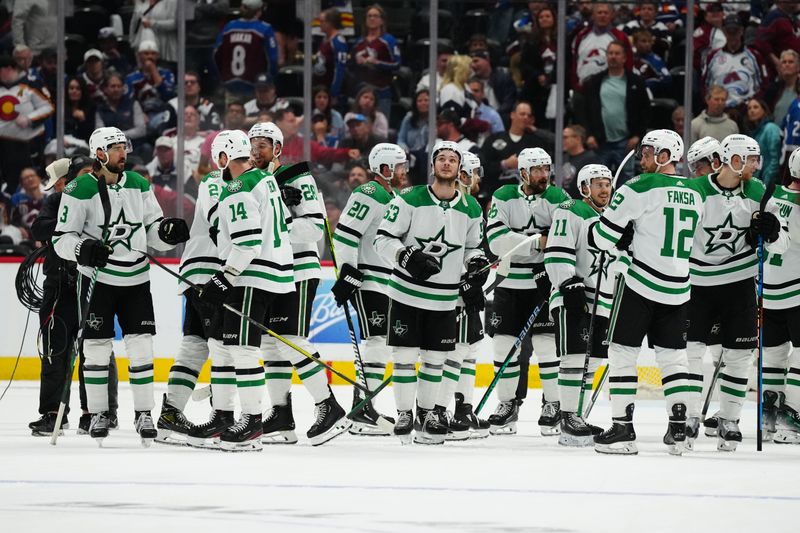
{"x":192,"y":355}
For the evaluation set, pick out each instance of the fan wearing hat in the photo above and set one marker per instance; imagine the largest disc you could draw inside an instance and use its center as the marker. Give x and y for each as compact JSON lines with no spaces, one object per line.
{"x":149,"y":80}
{"x":108,"y":43}
{"x":266,"y":99}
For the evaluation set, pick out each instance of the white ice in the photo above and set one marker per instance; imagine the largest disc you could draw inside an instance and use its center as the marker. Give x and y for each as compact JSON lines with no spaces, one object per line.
{"x":512,"y":483}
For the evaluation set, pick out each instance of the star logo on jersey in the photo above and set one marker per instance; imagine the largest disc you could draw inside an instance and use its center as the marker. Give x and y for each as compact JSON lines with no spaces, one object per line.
{"x":95,"y":322}
{"x":437,"y":246}
{"x":376,"y":319}
{"x":399,"y":328}
{"x":596,"y":259}
{"x":495,"y":319}
{"x":725,"y":236}
{"x":121,"y":231}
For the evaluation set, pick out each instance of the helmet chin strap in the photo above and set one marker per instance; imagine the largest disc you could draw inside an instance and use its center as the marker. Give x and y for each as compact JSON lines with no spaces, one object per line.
{"x":107,"y":174}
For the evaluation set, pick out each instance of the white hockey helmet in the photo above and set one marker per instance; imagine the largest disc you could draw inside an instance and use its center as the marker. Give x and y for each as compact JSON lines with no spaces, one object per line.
{"x":662,"y":140}
{"x":592,"y":172}
{"x":444,"y":145}
{"x":233,"y":143}
{"x":741,"y":145}
{"x":386,"y":154}
{"x":705,"y":148}
{"x":107,"y":136}
{"x":470,"y":162}
{"x":794,"y":164}
{"x":532,"y":157}
{"x":267,"y":130}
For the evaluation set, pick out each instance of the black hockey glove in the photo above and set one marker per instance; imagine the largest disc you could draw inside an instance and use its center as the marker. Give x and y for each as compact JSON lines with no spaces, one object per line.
{"x":626,"y":239}
{"x":543,"y":285}
{"x":765,"y":224}
{"x":573,"y":295}
{"x":216,"y":290}
{"x":92,"y":253}
{"x":472,"y":294}
{"x":350,"y":279}
{"x":477,"y":271}
{"x":213,"y":232}
{"x":173,"y":231}
{"x":291,"y":196}
{"x":420,"y":265}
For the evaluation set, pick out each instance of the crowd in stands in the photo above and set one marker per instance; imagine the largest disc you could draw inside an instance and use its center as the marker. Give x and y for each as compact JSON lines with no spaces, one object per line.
{"x":494,"y":90}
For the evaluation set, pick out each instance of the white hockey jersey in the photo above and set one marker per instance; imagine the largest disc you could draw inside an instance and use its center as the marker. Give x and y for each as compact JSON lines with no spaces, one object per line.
{"x":512,"y":218}
{"x":254,"y":230}
{"x":200,"y":258}
{"x":665,"y":211}
{"x":354,"y":238}
{"x":782,"y":270}
{"x":720,"y":253}
{"x":568,"y":254}
{"x":133,"y":225}
{"x":446,"y":229}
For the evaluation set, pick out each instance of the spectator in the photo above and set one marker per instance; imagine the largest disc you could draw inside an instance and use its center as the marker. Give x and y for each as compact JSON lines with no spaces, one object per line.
{"x":93,"y":74}
{"x":46,"y":73}
{"x":376,"y":57}
{"x":768,"y":135}
{"x":709,"y":35}
{"x":120,"y":110}
{"x":330,"y":61}
{"x":321,"y":131}
{"x":590,"y":44}
{"x":8,"y":231}
{"x":484,"y":111}
{"x":27,"y":203}
{"x":662,"y":35}
{"x":791,"y":129}
{"x":192,"y":141}
{"x":324,"y":106}
{"x":454,"y":93}
{"x":292,"y":149}
{"x":576,"y":156}
{"x":149,"y":81}
{"x":108,"y":44}
{"x":444,"y":51}
{"x":782,"y":92}
{"x":538,"y":66}
{"x":678,"y":118}
{"x":266,"y":99}
{"x":735,"y":66}
{"x":338,"y":191}
{"x":617,"y":108}
{"x":580,"y":18}
{"x":650,"y":66}
{"x":244,"y":49}
{"x":501,"y":92}
{"x":357,"y":175}
{"x":712,"y":121}
{"x":779,"y":31}
{"x":499,"y":151}
{"x":361,"y":136}
{"x":33,"y":24}
{"x":155,"y":20}
{"x":79,"y":110}
{"x":365,"y":104}
{"x":209,"y":115}
{"x":24,"y":111}
{"x":234,"y":119}
{"x":413,"y":136}
{"x":23,"y":57}
{"x":162,"y":168}
{"x":448,"y":129}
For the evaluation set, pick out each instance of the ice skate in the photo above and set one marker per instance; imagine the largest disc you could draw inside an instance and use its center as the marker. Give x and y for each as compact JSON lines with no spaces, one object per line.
{"x":575,"y":431}
{"x":46,"y":424}
{"x":243,"y":436}
{"x":83,"y":424}
{"x":675,"y":437}
{"x":173,"y":427}
{"x":788,"y":427}
{"x":113,"y":421}
{"x":504,"y":419}
{"x":728,"y":435}
{"x":692,"y":431}
{"x":620,"y":439}
{"x":279,"y":424}
{"x":145,"y":428}
{"x":711,"y":425}
{"x":404,"y":425}
{"x":98,"y":429}
{"x":478,"y":428}
{"x":427,"y":428}
{"x":550,"y":419}
{"x":206,"y":435}
{"x":330,"y":421}
{"x":365,"y":420}
{"x":770,"y":405}
{"x":456,"y":430}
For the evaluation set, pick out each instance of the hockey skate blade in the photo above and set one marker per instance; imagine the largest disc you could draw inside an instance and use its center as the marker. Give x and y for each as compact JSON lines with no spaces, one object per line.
{"x":385,"y":425}
{"x":478,"y":433}
{"x":146,"y":443}
{"x":575,"y":441}
{"x":676,"y":449}
{"x":426,"y":439}
{"x":618,"y":448}
{"x":768,"y":435}
{"x":369,"y":430}
{"x":455,"y":436}
{"x":203,"y":444}
{"x":405,"y":439}
{"x":727,"y":445}
{"x":338,"y":428}
{"x":279,"y":437}
{"x":689,"y":444}
{"x":550,"y":431}
{"x":783,"y":436}
{"x":508,"y":429}
{"x":99,"y":441}
{"x":35,"y":433}
{"x":166,"y":436}
{"x":253,"y":445}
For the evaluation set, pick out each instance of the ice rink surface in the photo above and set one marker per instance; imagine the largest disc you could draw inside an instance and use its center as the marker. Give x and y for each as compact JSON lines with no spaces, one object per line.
{"x":513,"y":483}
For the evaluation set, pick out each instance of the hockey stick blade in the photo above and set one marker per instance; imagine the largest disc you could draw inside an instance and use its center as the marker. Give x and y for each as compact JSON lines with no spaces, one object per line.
{"x":198,"y":395}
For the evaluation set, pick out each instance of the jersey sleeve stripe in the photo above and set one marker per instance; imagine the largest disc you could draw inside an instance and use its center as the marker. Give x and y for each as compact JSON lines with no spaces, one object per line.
{"x":496,"y":234}
{"x":348,"y":242}
{"x":560,"y":249}
{"x":347,"y":229}
{"x":605,"y":236}
{"x":384,"y":233}
{"x":244,"y":233}
{"x":555,"y":260}
{"x":211,"y":212}
{"x":611,"y":226}
{"x":494,"y":225}
{"x":656,"y":274}
{"x":254,"y":242}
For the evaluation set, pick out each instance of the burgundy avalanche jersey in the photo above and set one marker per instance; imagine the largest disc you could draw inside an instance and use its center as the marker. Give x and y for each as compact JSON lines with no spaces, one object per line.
{"x":386,"y":51}
{"x":245,"y":49}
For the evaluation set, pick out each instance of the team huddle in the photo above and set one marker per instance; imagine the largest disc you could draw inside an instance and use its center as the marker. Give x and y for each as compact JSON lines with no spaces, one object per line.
{"x":668,"y":257}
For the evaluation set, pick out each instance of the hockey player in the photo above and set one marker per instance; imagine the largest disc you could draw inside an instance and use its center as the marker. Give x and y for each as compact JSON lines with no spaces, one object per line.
{"x":655,"y":214}
{"x":782,"y":321}
{"x":572,"y":267}
{"x":290,"y":315}
{"x":723,"y":266}
{"x":104,"y":216}
{"x":517,"y":212}
{"x":704,"y":157}
{"x":201,"y":329}
{"x":429,"y":235}
{"x":254,"y":243}
{"x":364,"y":274}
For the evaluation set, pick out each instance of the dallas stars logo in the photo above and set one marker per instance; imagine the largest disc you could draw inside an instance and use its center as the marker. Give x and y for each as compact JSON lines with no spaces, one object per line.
{"x":399,"y":328}
{"x":95,"y":322}
{"x":495,"y":320}
{"x":595,"y":259}
{"x":122,"y":231}
{"x":437,"y":246}
{"x":725,"y":236}
{"x":376,"y":319}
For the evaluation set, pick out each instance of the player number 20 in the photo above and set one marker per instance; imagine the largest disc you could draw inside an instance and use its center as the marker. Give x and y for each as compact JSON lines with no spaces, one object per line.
{"x":358,"y":211}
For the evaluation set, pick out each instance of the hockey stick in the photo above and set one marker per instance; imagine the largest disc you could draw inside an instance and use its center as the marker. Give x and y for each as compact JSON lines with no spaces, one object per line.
{"x":105,"y":201}
{"x":316,"y":357}
{"x":710,"y":391}
{"x":381,"y":422}
{"x":590,"y":339}
{"x":507,"y":360}
{"x":760,"y":253}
